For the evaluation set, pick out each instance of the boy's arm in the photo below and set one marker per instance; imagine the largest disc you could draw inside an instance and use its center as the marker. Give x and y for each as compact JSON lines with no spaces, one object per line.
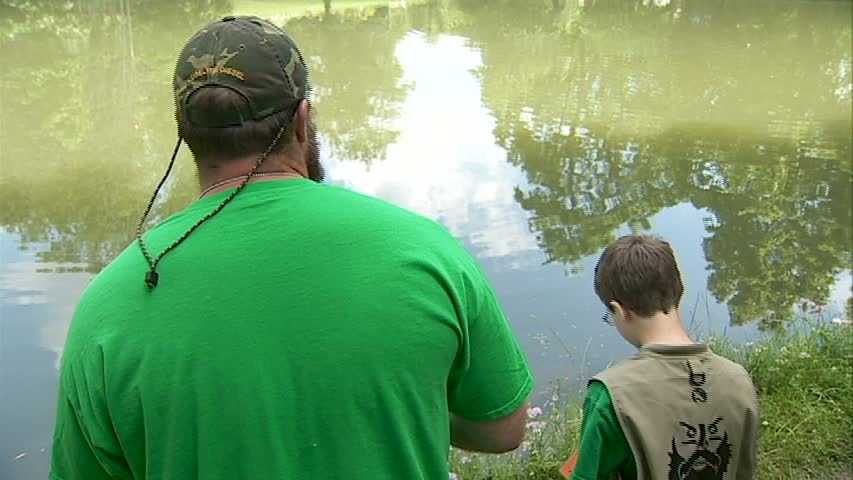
{"x":603,"y":448}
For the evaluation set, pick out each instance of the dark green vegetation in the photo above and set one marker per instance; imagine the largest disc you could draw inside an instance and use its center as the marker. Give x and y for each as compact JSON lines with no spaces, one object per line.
{"x":804,"y":380}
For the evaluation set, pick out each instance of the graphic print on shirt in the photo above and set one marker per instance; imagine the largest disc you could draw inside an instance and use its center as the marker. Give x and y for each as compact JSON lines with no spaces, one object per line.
{"x":707,"y":449}
{"x":697,"y":384}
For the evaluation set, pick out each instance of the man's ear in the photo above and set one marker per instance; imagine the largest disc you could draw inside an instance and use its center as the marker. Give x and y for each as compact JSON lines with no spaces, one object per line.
{"x":300,"y":121}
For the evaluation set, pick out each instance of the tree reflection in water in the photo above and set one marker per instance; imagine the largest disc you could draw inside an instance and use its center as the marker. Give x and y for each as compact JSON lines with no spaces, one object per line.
{"x":618,"y":110}
{"x":614,"y":110}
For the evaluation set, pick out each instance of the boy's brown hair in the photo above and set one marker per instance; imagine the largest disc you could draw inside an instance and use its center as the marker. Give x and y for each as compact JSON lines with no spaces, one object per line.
{"x":639,"y":272}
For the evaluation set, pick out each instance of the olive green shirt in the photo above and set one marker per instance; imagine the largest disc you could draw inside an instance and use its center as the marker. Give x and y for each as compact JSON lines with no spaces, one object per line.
{"x":686,"y":413}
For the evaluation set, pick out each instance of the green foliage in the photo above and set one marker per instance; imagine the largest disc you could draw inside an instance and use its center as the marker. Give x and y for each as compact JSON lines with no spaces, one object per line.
{"x":805,"y":383}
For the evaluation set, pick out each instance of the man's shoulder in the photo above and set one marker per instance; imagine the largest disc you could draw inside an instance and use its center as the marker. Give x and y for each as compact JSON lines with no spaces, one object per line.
{"x":106,"y":294}
{"x":375,"y":205}
{"x":376,"y":213}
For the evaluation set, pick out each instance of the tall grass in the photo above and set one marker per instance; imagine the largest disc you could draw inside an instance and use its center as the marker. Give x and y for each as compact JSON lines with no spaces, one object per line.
{"x":552,"y":432}
{"x":805,"y":384}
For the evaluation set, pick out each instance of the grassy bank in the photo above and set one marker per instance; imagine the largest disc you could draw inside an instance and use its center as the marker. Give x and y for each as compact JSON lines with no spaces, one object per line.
{"x":805,"y":384}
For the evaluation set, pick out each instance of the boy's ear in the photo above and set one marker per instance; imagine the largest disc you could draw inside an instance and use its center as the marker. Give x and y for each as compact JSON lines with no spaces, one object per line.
{"x":617,"y":309}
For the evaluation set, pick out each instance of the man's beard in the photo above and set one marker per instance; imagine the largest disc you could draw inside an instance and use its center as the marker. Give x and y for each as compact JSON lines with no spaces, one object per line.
{"x":316,"y":172}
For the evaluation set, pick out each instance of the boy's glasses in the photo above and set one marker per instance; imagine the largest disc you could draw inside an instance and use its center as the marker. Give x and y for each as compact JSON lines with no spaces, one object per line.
{"x":608,"y":317}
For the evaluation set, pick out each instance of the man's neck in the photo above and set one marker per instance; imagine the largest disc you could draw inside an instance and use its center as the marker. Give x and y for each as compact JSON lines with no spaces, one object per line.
{"x":237,"y":169}
{"x":665,"y":329}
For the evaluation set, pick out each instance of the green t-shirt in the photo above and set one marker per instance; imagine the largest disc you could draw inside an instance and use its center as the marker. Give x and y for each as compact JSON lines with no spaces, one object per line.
{"x":604,"y":453}
{"x":305,"y":332}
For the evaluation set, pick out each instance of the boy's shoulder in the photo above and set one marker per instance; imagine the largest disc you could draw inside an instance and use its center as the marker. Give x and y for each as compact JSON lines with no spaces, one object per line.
{"x":732,"y":368}
{"x":648,"y":366}
{"x":630,"y":370}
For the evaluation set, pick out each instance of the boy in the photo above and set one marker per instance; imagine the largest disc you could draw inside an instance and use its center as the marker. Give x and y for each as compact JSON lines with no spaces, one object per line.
{"x":674,"y":411}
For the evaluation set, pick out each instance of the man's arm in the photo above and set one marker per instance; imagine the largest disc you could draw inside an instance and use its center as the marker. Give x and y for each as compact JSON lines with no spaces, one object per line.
{"x":73,"y":457}
{"x":490,"y":436}
{"x":85,"y":443}
{"x":490,"y":381}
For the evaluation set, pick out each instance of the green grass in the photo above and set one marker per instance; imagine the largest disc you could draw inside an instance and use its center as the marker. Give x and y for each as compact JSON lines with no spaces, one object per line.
{"x":806,"y":393}
{"x":805,"y":384}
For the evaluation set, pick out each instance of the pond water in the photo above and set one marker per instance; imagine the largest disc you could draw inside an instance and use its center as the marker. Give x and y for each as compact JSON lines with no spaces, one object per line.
{"x":536,"y":131}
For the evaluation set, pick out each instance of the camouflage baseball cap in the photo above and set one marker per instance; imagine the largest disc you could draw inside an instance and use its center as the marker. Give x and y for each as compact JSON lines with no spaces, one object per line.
{"x":249,"y":56}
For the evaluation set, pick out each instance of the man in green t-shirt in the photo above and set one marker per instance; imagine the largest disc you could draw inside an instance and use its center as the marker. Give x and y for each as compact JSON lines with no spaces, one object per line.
{"x":674,"y":411}
{"x":278,"y":328}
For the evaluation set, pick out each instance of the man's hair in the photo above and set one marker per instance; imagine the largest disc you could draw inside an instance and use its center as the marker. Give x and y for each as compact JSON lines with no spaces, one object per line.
{"x":217,"y":145}
{"x":640,"y":273}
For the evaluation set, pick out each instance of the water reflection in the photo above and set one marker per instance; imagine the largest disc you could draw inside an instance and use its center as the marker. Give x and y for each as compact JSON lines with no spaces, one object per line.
{"x":34,"y":313}
{"x":356,"y":77}
{"x":536,"y":131}
{"x":612,"y":110}
{"x":616,"y":111}
{"x":778,"y":223}
{"x":85,"y":116}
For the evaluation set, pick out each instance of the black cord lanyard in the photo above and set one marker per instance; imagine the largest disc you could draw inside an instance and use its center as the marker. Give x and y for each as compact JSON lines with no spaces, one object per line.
{"x":152,"y":278}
